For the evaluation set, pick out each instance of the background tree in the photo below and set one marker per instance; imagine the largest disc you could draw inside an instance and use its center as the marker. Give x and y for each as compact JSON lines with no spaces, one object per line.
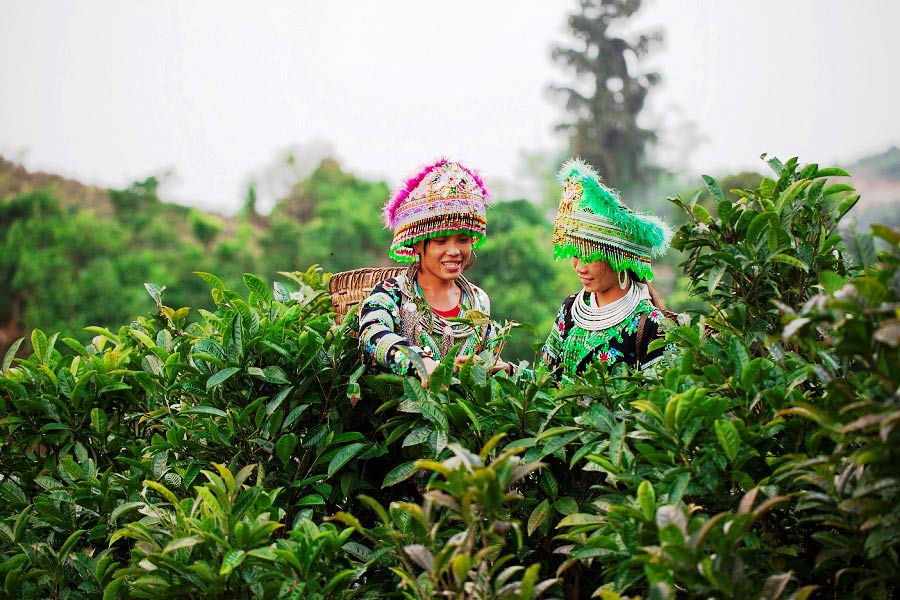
{"x":66,"y":269}
{"x":330,"y":218}
{"x":607,"y":95}
{"x":517,"y":269}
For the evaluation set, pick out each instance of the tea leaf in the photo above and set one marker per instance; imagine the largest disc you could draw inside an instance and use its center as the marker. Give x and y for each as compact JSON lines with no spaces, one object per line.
{"x":345,"y":455}
{"x":285,"y":446}
{"x":728,"y":437}
{"x":401,"y":472}
{"x":647,"y":499}
{"x":11,"y":354}
{"x":231,"y":561}
{"x":220,"y":377}
{"x":258,"y":286}
{"x":211,"y":279}
{"x":712,"y":186}
{"x":39,"y":344}
{"x":421,"y":556}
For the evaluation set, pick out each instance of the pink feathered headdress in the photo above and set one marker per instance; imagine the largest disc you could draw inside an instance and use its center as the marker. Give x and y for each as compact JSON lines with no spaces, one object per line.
{"x":442,"y":198}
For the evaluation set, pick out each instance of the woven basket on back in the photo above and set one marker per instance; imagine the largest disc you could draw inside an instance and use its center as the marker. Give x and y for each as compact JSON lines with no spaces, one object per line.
{"x":352,"y":287}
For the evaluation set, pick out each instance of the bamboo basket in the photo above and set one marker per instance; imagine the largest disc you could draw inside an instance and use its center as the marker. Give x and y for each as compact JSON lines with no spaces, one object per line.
{"x":349,"y":288}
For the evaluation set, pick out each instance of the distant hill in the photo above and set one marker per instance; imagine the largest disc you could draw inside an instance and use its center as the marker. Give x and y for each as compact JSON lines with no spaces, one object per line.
{"x":877,"y":179}
{"x":883,"y":166}
{"x":16,"y":179}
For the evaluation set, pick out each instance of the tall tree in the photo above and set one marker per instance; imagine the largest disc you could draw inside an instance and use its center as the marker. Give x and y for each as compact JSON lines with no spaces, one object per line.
{"x":607,"y":95}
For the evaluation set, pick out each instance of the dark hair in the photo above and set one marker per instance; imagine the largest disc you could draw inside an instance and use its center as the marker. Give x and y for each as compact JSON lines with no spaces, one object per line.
{"x":655,"y":298}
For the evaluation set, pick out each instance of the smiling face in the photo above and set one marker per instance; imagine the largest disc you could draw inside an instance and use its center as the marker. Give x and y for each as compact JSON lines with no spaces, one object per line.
{"x":444,"y":257}
{"x":596,"y":276}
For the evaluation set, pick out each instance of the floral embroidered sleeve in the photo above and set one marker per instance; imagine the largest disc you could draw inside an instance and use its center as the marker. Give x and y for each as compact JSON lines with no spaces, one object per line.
{"x":379,"y":330}
{"x":551,"y":355}
{"x":653,"y":331}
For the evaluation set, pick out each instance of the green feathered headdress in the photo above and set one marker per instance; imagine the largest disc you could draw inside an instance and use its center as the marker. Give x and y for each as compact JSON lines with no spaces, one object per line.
{"x":593,"y":224}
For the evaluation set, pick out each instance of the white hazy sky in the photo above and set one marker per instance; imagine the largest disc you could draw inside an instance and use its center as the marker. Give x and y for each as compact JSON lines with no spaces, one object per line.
{"x":113,"y":91}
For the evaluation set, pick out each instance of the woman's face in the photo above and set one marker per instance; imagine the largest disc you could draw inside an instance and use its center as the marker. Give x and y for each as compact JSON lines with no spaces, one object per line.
{"x":444,"y":257}
{"x":595,"y":276}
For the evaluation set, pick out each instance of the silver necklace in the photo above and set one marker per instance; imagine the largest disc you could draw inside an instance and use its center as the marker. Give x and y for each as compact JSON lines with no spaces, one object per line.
{"x":596,"y":318}
{"x":417,"y":317}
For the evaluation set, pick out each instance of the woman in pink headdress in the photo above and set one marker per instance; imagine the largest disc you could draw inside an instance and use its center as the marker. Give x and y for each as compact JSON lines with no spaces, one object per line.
{"x":438,"y":219}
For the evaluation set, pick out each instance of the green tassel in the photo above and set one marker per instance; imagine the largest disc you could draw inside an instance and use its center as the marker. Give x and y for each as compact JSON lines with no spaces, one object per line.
{"x":598,"y":199}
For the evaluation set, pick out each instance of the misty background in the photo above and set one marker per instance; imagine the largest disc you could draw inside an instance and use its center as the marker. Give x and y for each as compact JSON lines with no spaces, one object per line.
{"x":210,"y":94}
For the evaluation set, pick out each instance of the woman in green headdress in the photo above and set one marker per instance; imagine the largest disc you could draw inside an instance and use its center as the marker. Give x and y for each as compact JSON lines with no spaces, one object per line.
{"x":616,"y":314}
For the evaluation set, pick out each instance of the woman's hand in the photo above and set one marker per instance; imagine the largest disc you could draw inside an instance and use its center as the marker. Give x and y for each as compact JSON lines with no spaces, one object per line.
{"x":502,"y":365}
{"x":495,"y":366}
{"x":461,"y":359}
{"x":430,"y":366}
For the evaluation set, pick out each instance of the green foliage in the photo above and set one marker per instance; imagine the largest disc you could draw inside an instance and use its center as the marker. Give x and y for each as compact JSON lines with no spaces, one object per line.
{"x":245,"y":451}
{"x":55,"y":266}
{"x":741,"y":255}
{"x":453,"y":542}
{"x":204,"y":229}
{"x":221,"y":541}
{"x":150,"y":406}
{"x":64,"y":270}
{"x":332,"y":219}
{"x":223,"y":532}
{"x":854,"y":486}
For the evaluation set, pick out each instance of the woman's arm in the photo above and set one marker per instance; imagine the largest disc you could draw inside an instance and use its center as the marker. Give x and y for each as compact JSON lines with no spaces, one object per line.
{"x":553,"y":347}
{"x":652,"y":331}
{"x":379,"y":331}
{"x":552,"y":351}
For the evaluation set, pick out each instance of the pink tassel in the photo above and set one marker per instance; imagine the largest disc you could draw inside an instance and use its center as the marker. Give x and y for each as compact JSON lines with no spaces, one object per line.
{"x":478,"y":180}
{"x":390,"y":208}
{"x":394,"y":203}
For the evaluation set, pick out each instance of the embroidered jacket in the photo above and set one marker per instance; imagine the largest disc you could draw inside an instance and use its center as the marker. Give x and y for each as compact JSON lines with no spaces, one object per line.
{"x":381,"y":327}
{"x":570,"y":349}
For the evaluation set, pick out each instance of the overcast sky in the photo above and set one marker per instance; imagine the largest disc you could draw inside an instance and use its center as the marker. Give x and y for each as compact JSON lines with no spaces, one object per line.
{"x":113,"y":91}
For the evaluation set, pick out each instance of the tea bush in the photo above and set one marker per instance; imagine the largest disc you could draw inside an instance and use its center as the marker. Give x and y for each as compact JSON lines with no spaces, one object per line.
{"x":248,"y":452}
